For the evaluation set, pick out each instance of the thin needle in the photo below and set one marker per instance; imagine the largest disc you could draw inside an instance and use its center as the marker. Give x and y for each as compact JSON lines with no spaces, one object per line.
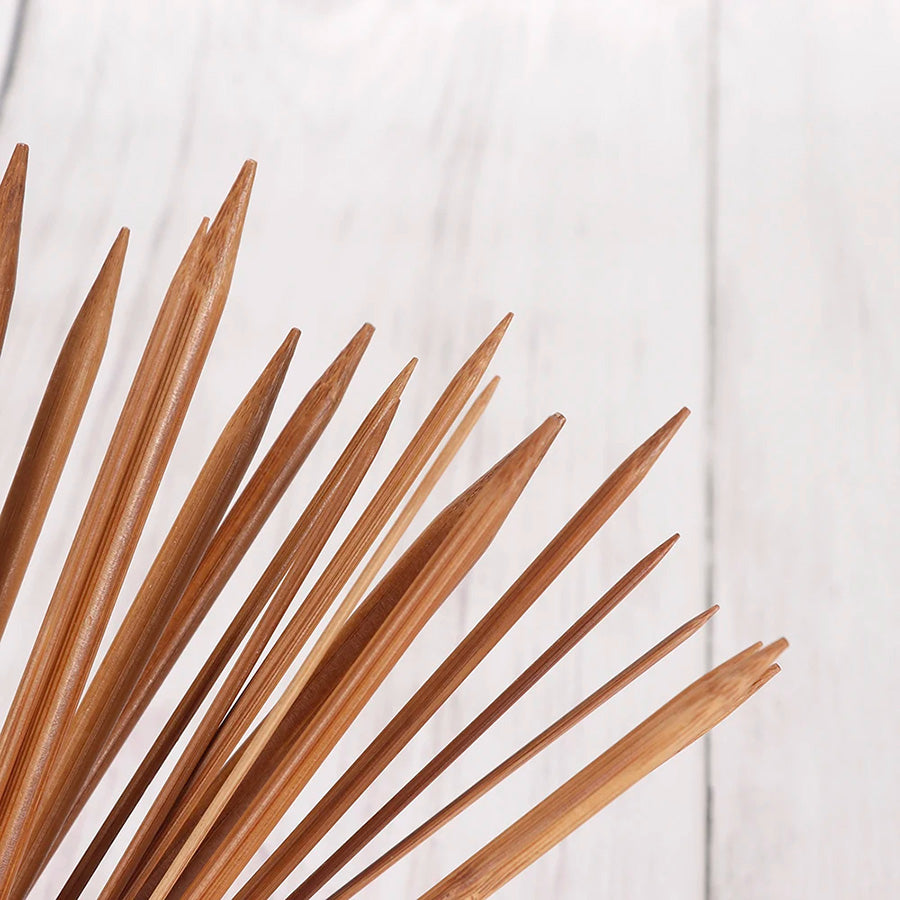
{"x":493,"y":626}
{"x":54,"y":429}
{"x":124,"y":663}
{"x":12,"y":197}
{"x":670,"y":729}
{"x":514,"y":762}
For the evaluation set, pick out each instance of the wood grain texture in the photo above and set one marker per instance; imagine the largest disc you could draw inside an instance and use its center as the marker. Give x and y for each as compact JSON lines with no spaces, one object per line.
{"x":806,"y":446}
{"x":12,"y":196}
{"x":683,"y":203}
{"x":453,"y":671}
{"x":519,"y":758}
{"x":283,"y":769}
{"x":107,"y":695}
{"x":684,"y":719}
{"x":50,"y":440}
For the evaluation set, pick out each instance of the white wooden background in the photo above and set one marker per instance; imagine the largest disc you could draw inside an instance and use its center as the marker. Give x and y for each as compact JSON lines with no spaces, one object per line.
{"x":684,"y":203}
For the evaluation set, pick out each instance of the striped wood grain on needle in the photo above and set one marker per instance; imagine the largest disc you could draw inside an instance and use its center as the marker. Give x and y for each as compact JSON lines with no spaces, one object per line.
{"x":506,"y":768}
{"x":267,"y":798}
{"x":232,"y":540}
{"x":124,"y":663}
{"x":281,"y":582}
{"x":493,"y":626}
{"x":684,"y":719}
{"x":289,"y":643}
{"x":474,"y":730}
{"x":53,"y":432}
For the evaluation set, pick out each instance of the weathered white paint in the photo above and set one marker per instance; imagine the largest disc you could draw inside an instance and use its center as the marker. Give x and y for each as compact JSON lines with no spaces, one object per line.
{"x":429,"y":166}
{"x":807,"y":428}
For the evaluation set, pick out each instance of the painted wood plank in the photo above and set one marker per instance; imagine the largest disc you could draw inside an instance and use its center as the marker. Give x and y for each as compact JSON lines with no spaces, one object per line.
{"x":806,"y":783}
{"x":428,"y":169}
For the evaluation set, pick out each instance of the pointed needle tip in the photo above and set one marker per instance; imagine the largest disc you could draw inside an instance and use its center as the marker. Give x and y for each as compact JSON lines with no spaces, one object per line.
{"x":772,"y":651}
{"x":360,"y":341}
{"x":289,"y":344}
{"x":492,"y":341}
{"x":677,"y":420}
{"x":489,"y":390}
{"x":277,"y":367}
{"x":652,"y":448}
{"x":116,"y":255}
{"x":706,"y":615}
{"x":13,"y":182}
{"x":547,"y":431}
{"x":657,"y":554}
{"x":19,"y":157}
{"x":402,"y":379}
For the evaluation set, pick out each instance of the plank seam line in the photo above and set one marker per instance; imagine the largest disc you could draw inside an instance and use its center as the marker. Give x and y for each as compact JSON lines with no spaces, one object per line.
{"x":712,"y":250}
{"x":13,"y":52}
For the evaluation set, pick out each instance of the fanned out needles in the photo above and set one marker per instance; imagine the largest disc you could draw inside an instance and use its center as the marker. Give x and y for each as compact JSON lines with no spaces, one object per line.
{"x":263,"y":732}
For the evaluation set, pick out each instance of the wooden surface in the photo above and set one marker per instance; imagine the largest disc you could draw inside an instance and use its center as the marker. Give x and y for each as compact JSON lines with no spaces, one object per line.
{"x":683,"y":203}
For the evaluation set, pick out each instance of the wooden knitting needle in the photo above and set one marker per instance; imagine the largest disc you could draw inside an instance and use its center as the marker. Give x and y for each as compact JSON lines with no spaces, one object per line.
{"x":232,"y":540}
{"x":125,"y":661}
{"x":511,"y":606}
{"x":251,"y":510}
{"x":55,"y":425}
{"x":12,"y":197}
{"x":514,"y":762}
{"x":112,"y":522}
{"x":422,"y":492}
{"x":214,"y":666}
{"x":304,"y":544}
{"x":455,"y":555}
{"x":347,"y":558}
{"x":483,"y":721}
{"x":683,"y":720}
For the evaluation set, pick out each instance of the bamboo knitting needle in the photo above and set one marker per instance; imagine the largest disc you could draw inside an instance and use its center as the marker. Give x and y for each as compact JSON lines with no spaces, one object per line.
{"x":305,"y":543}
{"x":241,"y":526}
{"x":382,"y":505}
{"x":477,"y":727}
{"x":247,"y":760}
{"x":511,"y":764}
{"x":683,"y":720}
{"x":358,"y":632}
{"x":58,"y":621}
{"x":309,"y":535}
{"x":454,"y":557}
{"x":54,"y":428}
{"x":125,"y":488}
{"x":332,"y":580}
{"x":332,"y":490}
{"x":373,"y":519}
{"x":188,"y":539}
{"x":421,"y":493}
{"x":432,"y":476}
{"x":12,"y":197}
{"x":511,"y":606}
